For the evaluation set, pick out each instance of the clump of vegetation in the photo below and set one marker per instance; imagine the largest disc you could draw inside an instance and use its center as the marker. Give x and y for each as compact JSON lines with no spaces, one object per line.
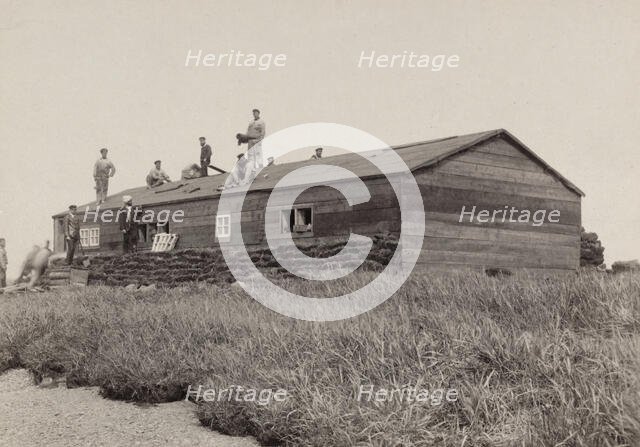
{"x":591,"y":249}
{"x":536,"y":361}
{"x":625,"y":266}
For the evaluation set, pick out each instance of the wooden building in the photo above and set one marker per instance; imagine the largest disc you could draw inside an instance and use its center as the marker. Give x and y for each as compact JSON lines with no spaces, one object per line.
{"x":492,"y":171}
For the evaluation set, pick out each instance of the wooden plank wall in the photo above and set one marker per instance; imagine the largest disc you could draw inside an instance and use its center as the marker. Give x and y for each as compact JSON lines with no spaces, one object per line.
{"x":334,"y":219}
{"x":491,"y":176}
{"x":197,"y":229}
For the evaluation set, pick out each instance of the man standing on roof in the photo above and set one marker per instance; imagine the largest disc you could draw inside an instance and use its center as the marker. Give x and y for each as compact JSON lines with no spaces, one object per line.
{"x":71,"y":224}
{"x":3,"y":264}
{"x":102,"y":170}
{"x":157,"y":176}
{"x":255,"y":133}
{"x":128,"y":219}
{"x":205,"y":156}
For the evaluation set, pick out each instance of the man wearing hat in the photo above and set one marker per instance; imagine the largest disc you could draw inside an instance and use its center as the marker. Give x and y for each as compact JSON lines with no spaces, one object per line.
{"x":128,"y":220}
{"x":318,"y":154}
{"x":205,"y":157}
{"x":102,"y":170}
{"x":256,"y":129}
{"x":157,"y":176}
{"x":255,"y":133}
{"x":71,"y":224}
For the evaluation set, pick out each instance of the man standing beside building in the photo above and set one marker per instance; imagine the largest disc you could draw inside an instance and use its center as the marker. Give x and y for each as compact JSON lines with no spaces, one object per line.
{"x":205,"y":156}
{"x":3,"y":264}
{"x":157,"y":176}
{"x":127,"y":218}
{"x":102,"y":170}
{"x":71,"y":226}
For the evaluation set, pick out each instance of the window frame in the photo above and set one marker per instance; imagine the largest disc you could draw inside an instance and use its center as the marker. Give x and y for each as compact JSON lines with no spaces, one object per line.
{"x":286,"y":216}
{"x":91,"y":236}
{"x":219,"y":226}
{"x":147,"y":231}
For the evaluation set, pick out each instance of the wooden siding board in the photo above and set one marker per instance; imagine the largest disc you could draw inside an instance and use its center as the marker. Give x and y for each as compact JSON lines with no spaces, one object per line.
{"x":429,"y":268}
{"x":344,"y":226}
{"x":521,"y":247}
{"x":502,"y":161}
{"x":446,"y":229}
{"x":437,"y":178}
{"x":571,"y":231}
{"x":452,"y":201}
{"x":500,"y":146}
{"x":502,"y":260}
{"x":474,"y":170}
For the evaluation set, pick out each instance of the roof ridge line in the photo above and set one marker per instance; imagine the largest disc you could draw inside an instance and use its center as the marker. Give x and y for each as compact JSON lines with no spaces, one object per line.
{"x":437,"y":140}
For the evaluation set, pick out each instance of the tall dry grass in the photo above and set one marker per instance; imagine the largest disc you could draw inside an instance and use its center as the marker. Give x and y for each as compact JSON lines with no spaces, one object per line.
{"x":536,"y":361}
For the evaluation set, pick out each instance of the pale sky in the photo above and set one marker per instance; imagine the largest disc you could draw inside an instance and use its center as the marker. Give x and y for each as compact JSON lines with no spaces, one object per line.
{"x":562,"y":76}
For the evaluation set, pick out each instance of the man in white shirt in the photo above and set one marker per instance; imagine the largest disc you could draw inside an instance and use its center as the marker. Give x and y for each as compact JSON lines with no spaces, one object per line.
{"x":102,"y":170}
{"x":256,"y":129}
{"x":255,"y":133}
{"x":239,"y":175}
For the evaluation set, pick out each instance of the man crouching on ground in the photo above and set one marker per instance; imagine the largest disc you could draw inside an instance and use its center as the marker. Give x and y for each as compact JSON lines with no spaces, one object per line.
{"x":36,"y":264}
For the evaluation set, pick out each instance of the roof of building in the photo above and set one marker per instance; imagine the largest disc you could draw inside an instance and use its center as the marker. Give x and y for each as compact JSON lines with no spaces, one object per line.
{"x":416,"y":156}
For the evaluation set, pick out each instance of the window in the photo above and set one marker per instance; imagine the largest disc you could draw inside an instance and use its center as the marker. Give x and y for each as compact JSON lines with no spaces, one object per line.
{"x":223,"y":225}
{"x":90,"y":237}
{"x":142,"y":232}
{"x":147,"y":232}
{"x":163,"y":228}
{"x":297,"y":220}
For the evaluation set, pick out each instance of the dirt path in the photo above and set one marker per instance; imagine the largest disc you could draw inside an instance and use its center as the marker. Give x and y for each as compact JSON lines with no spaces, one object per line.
{"x":33,"y":415}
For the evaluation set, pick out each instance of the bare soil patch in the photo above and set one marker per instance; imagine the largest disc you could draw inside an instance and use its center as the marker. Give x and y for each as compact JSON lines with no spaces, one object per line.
{"x":52,"y":415}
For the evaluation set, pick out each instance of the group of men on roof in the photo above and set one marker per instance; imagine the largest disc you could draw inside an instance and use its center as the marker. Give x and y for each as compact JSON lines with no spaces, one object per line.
{"x":104,"y":168}
{"x":247,"y":166}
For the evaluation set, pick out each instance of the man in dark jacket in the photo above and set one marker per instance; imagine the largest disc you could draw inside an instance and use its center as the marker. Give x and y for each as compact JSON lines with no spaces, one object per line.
{"x":205,"y":156}
{"x":3,"y":264}
{"x":71,"y":224}
{"x":128,"y":220}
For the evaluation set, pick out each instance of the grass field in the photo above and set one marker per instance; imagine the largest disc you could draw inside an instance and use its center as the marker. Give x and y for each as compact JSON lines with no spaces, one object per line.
{"x":535,"y":361}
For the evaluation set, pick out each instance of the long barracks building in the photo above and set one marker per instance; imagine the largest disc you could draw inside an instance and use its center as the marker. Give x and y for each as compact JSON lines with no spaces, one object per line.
{"x":490,"y":170}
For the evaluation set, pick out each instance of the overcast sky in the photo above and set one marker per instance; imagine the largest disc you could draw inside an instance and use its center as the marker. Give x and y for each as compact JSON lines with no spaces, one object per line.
{"x":77,"y":76}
